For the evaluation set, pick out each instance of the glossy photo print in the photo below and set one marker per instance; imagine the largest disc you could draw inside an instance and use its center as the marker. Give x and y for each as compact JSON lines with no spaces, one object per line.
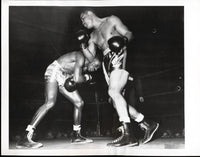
{"x":96,"y":79}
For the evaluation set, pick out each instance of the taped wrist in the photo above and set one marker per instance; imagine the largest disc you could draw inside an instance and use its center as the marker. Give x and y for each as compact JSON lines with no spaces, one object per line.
{"x":76,"y":127}
{"x":30,"y":128}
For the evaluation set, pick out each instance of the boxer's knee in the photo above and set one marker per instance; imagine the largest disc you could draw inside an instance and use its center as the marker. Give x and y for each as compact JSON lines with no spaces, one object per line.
{"x":79,"y":104}
{"x":113,"y":93}
{"x":49,"y":104}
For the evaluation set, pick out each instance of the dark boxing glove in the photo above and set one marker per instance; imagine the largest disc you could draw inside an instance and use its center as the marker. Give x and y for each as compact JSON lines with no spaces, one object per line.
{"x":70,"y":85}
{"x":82,"y":37}
{"x":117,"y":43}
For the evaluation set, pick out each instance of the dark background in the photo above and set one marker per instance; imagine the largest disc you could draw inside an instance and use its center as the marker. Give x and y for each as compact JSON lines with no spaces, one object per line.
{"x":39,"y":35}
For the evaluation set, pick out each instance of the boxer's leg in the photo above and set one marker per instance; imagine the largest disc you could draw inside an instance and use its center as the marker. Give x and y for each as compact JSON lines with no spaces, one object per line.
{"x":51,"y":89}
{"x":149,"y":126}
{"x":118,"y":79}
{"x":78,"y":102}
{"x":50,"y":99}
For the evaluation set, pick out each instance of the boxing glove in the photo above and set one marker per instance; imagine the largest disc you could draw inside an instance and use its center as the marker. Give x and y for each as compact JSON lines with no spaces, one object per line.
{"x":117,"y":43}
{"x":82,"y":37}
{"x":70,"y":85}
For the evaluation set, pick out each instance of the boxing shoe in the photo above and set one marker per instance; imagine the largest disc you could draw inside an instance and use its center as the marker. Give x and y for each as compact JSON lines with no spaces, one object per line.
{"x":126,"y":139}
{"x":27,"y":142}
{"x":150,"y":127}
{"x":77,"y":138}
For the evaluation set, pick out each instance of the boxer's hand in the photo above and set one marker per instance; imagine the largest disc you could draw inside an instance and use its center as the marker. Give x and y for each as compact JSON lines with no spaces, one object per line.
{"x":70,"y":85}
{"x":117,"y":43}
{"x":83,"y":38}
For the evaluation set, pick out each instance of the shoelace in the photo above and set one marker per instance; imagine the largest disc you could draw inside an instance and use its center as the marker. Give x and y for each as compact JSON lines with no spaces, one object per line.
{"x":118,"y":139}
{"x":120,"y":129}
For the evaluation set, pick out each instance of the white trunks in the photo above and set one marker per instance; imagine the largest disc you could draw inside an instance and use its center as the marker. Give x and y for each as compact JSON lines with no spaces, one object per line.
{"x":55,"y":72}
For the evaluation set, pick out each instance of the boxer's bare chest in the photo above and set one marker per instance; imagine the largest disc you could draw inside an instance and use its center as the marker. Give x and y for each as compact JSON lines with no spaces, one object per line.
{"x":103,"y":33}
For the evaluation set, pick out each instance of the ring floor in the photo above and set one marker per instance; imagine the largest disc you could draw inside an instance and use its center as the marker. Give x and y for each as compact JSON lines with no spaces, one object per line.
{"x":99,"y":147}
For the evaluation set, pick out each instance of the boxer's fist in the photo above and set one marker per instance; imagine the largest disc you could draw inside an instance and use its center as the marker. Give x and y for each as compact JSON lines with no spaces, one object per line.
{"x":82,"y":37}
{"x":70,"y":85}
{"x":117,"y":43}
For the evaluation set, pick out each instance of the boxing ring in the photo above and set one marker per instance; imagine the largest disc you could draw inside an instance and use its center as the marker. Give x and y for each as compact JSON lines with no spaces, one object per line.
{"x":99,"y":145}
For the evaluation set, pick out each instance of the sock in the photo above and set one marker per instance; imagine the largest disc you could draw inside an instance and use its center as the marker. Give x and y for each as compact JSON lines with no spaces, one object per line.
{"x":30,"y":129}
{"x":76,"y":127}
{"x":125,"y":119}
{"x":139,"y":118}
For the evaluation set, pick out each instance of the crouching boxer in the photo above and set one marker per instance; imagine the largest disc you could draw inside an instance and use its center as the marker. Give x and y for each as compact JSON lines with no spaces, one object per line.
{"x":63,"y":75}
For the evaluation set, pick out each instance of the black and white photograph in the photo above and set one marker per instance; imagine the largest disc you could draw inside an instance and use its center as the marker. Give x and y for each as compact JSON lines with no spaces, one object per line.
{"x":100,"y":78}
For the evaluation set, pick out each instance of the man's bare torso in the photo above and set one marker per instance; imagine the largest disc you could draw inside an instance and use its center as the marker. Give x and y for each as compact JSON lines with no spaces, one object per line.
{"x":105,"y":31}
{"x":67,"y":61}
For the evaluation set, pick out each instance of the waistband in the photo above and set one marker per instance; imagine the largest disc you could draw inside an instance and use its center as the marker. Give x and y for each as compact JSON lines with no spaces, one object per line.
{"x":106,"y":51}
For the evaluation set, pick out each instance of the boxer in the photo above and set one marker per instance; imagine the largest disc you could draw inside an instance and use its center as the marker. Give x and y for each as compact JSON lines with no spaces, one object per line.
{"x":111,"y":36}
{"x":63,"y":75}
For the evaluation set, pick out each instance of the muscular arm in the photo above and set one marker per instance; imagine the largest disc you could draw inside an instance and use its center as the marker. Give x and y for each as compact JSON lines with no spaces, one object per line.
{"x":90,"y":51}
{"x":78,"y":76}
{"x":121,"y":28}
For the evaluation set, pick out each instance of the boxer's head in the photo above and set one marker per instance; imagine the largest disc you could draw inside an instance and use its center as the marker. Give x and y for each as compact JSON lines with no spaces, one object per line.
{"x":94,"y":65}
{"x":87,"y":17}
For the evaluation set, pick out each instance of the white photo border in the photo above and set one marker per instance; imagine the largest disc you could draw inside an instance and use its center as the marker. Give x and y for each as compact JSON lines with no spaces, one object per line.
{"x":191,"y":71}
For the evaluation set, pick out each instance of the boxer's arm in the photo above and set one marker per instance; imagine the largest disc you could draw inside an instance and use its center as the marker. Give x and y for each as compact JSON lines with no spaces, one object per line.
{"x":90,"y":51}
{"x":86,"y":44}
{"x":78,"y":69}
{"x":121,"y":28}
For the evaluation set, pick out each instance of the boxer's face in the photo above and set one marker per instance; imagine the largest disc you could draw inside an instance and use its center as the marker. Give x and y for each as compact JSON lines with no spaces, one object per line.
{"x":87,"y":20}
{"x":94,"y":66}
